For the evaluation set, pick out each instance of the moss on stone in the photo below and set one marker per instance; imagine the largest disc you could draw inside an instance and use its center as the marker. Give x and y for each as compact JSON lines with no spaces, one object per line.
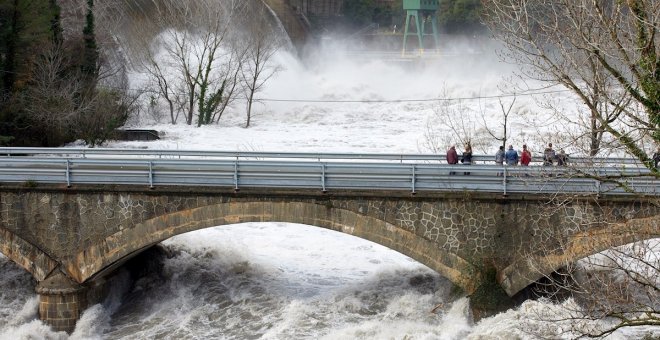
{"x":489,"y":298}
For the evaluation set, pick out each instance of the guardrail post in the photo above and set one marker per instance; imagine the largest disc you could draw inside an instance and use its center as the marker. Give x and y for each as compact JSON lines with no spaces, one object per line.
{"x":413,"y":179}
{"x":151,"y":175}
{"x":323,"y":177}
{"x":236,"y":175}
{"x":504,"y":175}
{"x":68,"y":174}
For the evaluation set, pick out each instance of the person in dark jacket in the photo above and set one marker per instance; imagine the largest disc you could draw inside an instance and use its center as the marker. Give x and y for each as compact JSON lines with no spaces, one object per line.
{"x":511,"y":156}
{"x":562,"y":158}
{"x":466,"y":158}
{"x":656,"y":157}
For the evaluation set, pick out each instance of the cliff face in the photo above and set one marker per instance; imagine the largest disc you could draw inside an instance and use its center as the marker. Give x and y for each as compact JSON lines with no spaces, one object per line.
{"x":294,"y":24}
{"x":137,"y":21}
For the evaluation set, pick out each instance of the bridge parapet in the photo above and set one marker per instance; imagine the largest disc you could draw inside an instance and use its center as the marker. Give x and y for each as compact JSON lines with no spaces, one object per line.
{"x":321,"y":171}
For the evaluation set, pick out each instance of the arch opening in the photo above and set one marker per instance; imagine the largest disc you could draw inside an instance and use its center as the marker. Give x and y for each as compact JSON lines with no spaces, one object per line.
{"x":95,"y":259}
{"x":579,"y":247}
{"x":285,"y":280}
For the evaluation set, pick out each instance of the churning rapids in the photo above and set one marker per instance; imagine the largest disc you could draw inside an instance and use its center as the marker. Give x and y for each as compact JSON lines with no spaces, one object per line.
{"x":259,"y":281}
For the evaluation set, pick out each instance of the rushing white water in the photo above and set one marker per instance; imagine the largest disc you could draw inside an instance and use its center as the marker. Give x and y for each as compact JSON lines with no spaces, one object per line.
{"x":268,"y":281}
{"x":274,"y":281}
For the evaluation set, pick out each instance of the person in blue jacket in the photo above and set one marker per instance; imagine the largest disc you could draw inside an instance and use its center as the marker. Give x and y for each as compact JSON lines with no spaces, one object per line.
{"x":511,"y":156}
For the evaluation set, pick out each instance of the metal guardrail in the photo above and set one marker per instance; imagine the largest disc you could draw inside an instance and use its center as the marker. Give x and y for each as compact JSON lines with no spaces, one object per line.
{"x":311,"y":171}
{"x":210,"y":154}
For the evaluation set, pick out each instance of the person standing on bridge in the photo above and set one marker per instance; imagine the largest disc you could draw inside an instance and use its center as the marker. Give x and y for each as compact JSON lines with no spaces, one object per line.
{"x":562,"y":158}
{"x":452,"y":157}
{"x":526,"y":156}
{"x":499,"y":156}
{"x":466,"y":158}
{"x":511,"y":156}
{"x":656,"y":157}
{"x":548,"y":155}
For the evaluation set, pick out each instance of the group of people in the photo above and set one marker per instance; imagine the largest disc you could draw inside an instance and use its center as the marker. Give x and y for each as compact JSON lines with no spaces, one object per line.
{"x":466,"y":157}
{"x":511,"y":156}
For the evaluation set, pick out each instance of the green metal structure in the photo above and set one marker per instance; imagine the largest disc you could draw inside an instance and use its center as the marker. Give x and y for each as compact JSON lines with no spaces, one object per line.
{"x":420,"y":11}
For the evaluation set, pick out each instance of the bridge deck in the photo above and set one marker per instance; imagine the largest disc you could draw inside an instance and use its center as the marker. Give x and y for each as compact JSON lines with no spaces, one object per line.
{"x":414,"y":173}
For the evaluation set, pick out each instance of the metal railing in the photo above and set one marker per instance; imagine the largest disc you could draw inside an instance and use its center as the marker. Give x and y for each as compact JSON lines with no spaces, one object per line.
{"x":413,"y":173}
{"x":211,"y":154}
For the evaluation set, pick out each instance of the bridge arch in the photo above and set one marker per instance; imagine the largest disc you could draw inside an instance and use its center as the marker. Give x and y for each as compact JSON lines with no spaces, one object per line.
{"x":529,"y":269}
{"x":26,"y":255}
{"x":104,"y":255}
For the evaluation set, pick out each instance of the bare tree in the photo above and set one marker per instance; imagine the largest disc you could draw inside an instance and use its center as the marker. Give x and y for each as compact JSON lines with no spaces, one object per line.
{"x":54,"y":102}
{"x":231,"y":81}
{"x":262,"y":44}
{"x":506,"y":112}
{"x":455,"y":121}
{"x":457,"y":117}
{"x":189,"y":51}
{"x":605,"y":52}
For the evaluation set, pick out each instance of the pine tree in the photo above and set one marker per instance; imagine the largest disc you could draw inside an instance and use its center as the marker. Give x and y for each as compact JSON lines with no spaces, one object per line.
{"x":27,"y":28}
{"x":89,"y":65}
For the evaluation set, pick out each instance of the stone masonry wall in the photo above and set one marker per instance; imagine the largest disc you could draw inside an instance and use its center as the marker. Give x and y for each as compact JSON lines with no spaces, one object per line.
{"x":63,"y":223}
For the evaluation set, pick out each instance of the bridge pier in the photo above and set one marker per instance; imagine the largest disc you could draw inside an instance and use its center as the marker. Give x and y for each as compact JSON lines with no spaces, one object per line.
{"x":61,"y":301}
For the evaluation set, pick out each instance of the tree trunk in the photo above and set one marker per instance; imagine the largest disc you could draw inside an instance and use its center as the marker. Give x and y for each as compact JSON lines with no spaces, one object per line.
{"x":249,"y":108}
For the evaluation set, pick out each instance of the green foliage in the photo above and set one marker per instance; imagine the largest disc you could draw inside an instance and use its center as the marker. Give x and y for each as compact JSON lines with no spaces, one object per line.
{"x":460,"y":16}
{"x":106,"y":111}
{"x":6,"y":140}
{"x":55,"y":23}
{"x":359,"y":12}
{"x":364,"y":12}
{"x":89,"y":65}
{"x":489,"y":298}
{"x":25,"y":28}
{"x":48,"y":86}
{"x":649,"y":68}
{"x":209,"y":104}
{"x":455,"y":16}
{"x":30,"y":184}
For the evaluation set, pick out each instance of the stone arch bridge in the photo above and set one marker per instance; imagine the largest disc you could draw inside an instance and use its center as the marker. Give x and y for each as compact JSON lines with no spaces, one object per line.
{"x":69,"y":239}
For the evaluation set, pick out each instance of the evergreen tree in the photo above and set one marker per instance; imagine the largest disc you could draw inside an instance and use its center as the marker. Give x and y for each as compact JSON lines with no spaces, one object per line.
{"x":359,"y":12}
{"x":55,"y":22}
{"x":89,"y":65}
{"x":26,"y":29}
{"x":461,"y":16}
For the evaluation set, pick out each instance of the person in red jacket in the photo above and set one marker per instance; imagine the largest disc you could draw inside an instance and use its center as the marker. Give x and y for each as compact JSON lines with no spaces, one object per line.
{"x":526,"y":156}
{"x":452,"y":157}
